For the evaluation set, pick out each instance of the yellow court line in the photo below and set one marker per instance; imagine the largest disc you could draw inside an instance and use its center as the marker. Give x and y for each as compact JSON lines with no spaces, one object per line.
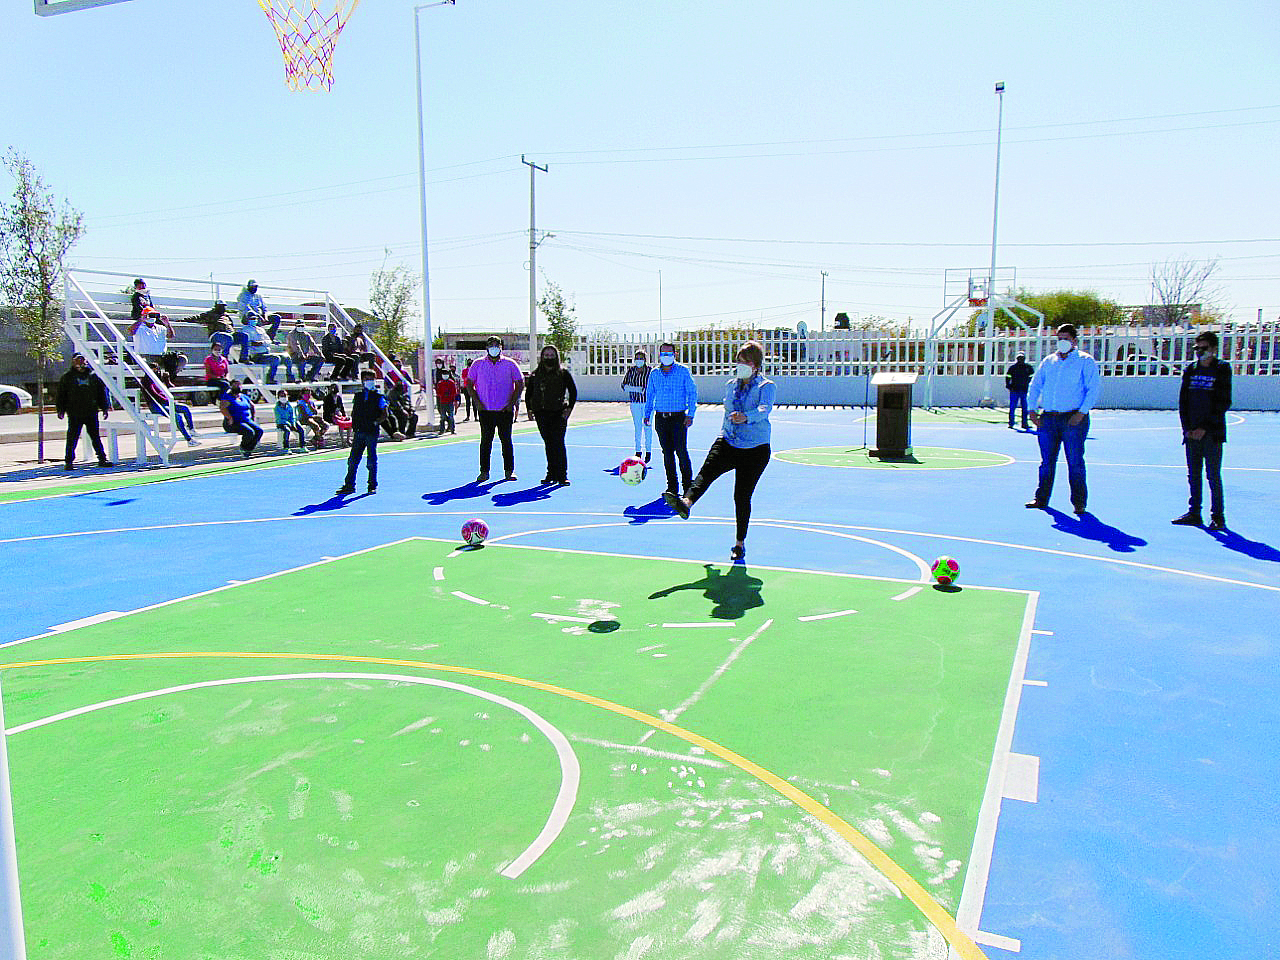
{"x":942,"y":921}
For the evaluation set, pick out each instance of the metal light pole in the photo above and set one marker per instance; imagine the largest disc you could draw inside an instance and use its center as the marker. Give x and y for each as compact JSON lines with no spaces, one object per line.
{"x":659,"y":303}
{"x":823,"y":326}
{"x":991,"y":277}
{"x":427,"y":336}
{"x":533,"y":271}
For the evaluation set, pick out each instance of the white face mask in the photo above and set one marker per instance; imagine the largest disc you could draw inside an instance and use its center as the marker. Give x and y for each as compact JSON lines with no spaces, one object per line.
{"x":368,"y":384}
{"x":1064,"y":346}
{"x":745,"y":370}
{"x":666,"y":359}
{"x":495,"y":351}
{"x":638,"y":362}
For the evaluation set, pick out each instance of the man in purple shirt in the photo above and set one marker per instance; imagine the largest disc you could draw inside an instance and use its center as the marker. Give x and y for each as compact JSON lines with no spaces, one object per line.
{"x":495,"y":382}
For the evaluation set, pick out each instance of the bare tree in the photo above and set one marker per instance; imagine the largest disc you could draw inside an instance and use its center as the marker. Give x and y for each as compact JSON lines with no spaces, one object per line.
{"x":35,"y":235}
{"x":1182,"y":290}
{"x":393,"y":301}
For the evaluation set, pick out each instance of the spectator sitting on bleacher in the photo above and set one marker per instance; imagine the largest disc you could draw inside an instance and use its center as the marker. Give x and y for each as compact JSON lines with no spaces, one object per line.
{"x":218,"y":325}
{"x":335,"y":412}
{"x":309,"y":417}
{"x":258,"y":347}
{"x":250,"y":303}
{"x":400,"y":421}
{"x":358,"y":345}
{"x":287,"y":423}
{"x":216,"y":369}
{"x":334,"y":349}
{"x":238,"y":417}
{"x":159,"y":404}
{"x":303,"y":350}
{"x":140,"y":301}
{"x":148,"y":332}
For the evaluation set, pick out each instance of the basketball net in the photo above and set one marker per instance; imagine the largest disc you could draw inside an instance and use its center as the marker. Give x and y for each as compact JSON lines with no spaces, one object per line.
{"x":307,"y":39}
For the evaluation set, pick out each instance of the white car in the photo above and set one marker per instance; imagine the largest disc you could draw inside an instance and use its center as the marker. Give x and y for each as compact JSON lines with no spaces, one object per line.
{"x":13,"y":399}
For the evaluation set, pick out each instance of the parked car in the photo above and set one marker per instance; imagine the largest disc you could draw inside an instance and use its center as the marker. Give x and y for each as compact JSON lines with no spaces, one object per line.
{"x":13,"y":399}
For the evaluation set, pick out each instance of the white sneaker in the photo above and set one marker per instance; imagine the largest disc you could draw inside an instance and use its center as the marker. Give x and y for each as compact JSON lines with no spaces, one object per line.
{"x":193,"y":442}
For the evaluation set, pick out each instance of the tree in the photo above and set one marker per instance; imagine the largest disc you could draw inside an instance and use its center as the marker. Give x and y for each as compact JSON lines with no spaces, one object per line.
{"x":560,"y":319}
{"x":35,"y":236}
{"x":1084,"y":308}
{"x":393,"y":303}
{"x":1182,"y":290}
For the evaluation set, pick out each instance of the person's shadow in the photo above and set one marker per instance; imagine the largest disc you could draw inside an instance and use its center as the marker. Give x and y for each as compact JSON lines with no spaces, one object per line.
{"x":465,"y":492}
{"x":732,"y":594}
{"x":541,"y":491}
{"x":1088,"y":527}
{"x":1250,"y":548}
{"x":336,"y":502}
{"x":644,"y":512}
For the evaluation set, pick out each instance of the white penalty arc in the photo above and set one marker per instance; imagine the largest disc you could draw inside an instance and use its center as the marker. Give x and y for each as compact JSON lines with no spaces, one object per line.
{"x":570,"y":770}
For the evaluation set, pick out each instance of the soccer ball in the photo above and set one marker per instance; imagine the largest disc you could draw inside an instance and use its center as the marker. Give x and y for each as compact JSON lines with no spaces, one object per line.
{"x":474,"y":532}
{"x":946,"y":570}
{"x":631,"y":470}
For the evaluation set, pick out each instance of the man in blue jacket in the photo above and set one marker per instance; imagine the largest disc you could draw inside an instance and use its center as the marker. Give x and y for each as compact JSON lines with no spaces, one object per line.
{"x":368,"y":409}
{"x":1203,"y":403}
{"x":671,"y":399}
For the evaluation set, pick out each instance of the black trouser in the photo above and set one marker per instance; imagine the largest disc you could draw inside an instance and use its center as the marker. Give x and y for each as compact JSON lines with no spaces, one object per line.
{"x":748,"y":462}
{"x":552,"y":425}
{"x":499,"y":420}
{"x":1204,"y":456}
{"x":673,"y":436}
{"x":360,"y":443}
{"x":344,"y":365}
{"x":90,"y":424}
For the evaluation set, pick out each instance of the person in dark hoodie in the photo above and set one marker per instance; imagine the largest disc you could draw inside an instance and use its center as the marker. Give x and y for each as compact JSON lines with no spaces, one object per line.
{"x":1016,"y":380}
{"x":368,"y":409}
{"x":81,"y":394}
{"x":550,"y":398}
{"x":1203,"y":403}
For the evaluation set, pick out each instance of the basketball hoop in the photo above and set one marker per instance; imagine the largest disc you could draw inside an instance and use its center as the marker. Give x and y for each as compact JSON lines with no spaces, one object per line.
{"x":977,"y":301}
{"x":307,"y":39}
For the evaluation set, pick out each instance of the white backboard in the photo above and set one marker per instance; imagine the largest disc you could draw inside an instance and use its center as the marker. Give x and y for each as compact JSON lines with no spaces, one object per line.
{"x":48,"y":8}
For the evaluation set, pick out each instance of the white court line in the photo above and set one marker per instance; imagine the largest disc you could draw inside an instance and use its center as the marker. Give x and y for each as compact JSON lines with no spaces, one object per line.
{"x":570,"y":772}
{"x":439,"y":573}
{"x":1043,"y":633}
{"x":826,"y":616}
{"x":906,"y":594}
{"x":554,"y":616}
{"x":467,"y":596}
{"x":1177,"y":466}
{"x":694,"y":626}
{"x":649,"y":751}
{"x":1035,"y":683}
{"x":86,"y":621}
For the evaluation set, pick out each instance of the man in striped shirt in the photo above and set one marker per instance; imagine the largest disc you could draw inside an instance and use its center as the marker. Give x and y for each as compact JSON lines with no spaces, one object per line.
{"x":634,"y":383}
{"x":672,"y":398}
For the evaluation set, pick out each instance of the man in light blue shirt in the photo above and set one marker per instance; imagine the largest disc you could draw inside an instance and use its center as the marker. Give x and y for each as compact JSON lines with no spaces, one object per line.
{"x":1063,"y":391}
{"x":671,"y":401}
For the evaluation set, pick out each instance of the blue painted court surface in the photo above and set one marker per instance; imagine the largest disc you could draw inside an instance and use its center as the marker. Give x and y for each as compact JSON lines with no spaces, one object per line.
{"x":1151,"y":685}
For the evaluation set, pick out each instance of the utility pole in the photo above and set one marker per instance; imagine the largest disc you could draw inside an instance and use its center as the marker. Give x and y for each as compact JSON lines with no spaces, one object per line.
{"x":533,"y":268}
{"x":427,"y":336}
{"x":990,"y":315}
{"x":660,"y":303}
{"x":823,"y":326}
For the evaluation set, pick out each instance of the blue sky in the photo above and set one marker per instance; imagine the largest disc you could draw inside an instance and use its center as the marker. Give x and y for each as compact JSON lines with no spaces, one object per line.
{"x":853,"y":138}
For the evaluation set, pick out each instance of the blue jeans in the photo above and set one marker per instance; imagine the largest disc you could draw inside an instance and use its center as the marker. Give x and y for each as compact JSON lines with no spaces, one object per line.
{"x":1016,"y":398}
{"x":250,"y":433}
{"x":1053,"y":434}
{"x":360,"y":441}
{"x":225,"y":339}
{"x":1204,"y":457}
{"x":272,"y":361}
{"x":181,"y":412}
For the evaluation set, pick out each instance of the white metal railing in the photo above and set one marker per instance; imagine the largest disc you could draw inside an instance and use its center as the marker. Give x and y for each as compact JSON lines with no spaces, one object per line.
{"x":1128,"y":351}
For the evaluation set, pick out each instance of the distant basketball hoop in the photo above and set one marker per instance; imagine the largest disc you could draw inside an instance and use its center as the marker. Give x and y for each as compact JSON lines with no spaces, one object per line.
{"x":978,"y":291}
{"x":307,"y":39}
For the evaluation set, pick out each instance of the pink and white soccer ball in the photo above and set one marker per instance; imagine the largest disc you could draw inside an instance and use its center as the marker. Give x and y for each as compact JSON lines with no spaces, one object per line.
{"x":631,"y":470}
{"x":474,"y":532}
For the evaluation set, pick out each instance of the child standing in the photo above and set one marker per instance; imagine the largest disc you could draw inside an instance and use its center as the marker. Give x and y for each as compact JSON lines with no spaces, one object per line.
{"x":287,"y":423}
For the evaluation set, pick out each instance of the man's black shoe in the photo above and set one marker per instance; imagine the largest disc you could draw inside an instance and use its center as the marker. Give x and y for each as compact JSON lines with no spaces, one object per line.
{"x":1035,"y":504}
{"x":1218,"y":524}
{"x":677,"y":504}
{"x":1188,"y":519}
{"x":345,"y":489}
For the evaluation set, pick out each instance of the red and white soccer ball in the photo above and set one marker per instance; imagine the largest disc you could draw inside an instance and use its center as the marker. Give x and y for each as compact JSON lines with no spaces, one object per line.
{"x":474,"y":532}
{"x":946,"y":570}
{"x":631,"y":470}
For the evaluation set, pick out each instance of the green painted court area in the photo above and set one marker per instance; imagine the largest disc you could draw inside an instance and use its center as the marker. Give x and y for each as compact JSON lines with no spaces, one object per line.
{"x":290,"y":815}
{"x":920,"y":458}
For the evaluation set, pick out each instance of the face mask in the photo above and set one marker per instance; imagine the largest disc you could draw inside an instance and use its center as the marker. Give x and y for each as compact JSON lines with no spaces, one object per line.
{"x":666,"y":359}
{"x":495,"y":351}
{"x":548,"y":361}
{"x":745,"y":370}
{"x":638,"y":362}
{"x":235,"y":391}
{"x":367,"y":384}
{"x":1064,"y":346}
{"x":253,"y":321}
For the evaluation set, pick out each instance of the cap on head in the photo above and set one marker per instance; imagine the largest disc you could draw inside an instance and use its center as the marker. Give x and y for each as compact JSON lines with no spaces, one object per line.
{"x":1022,"y":356}
{"x":139,"y":282}
{"x":493,"y":342}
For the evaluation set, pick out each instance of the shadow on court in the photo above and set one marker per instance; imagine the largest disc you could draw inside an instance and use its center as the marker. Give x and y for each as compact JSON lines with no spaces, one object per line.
{"x":644,"y":512}
{"x":467,"y":491}
{"x":1089,"y":527}
{"x":541,"y":491}
{"x":1250,"y":548}
{"x":732,"y":594}
{"x":336,"y":502}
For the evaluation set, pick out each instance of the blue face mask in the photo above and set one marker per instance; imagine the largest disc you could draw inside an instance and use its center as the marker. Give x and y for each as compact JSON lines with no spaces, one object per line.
{"x":253,"y":321}
{"x":666,"y":359}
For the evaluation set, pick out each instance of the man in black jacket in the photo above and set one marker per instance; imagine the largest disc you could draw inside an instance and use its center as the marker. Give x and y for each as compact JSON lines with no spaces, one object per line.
{"x":1203,"y":403}
{"x":80,"y":396}
{"x":368,"y":409}
{"x":1016,"y":380}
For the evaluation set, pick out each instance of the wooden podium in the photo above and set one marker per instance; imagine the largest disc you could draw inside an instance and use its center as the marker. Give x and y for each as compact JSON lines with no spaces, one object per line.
{"x":893,"y":415}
